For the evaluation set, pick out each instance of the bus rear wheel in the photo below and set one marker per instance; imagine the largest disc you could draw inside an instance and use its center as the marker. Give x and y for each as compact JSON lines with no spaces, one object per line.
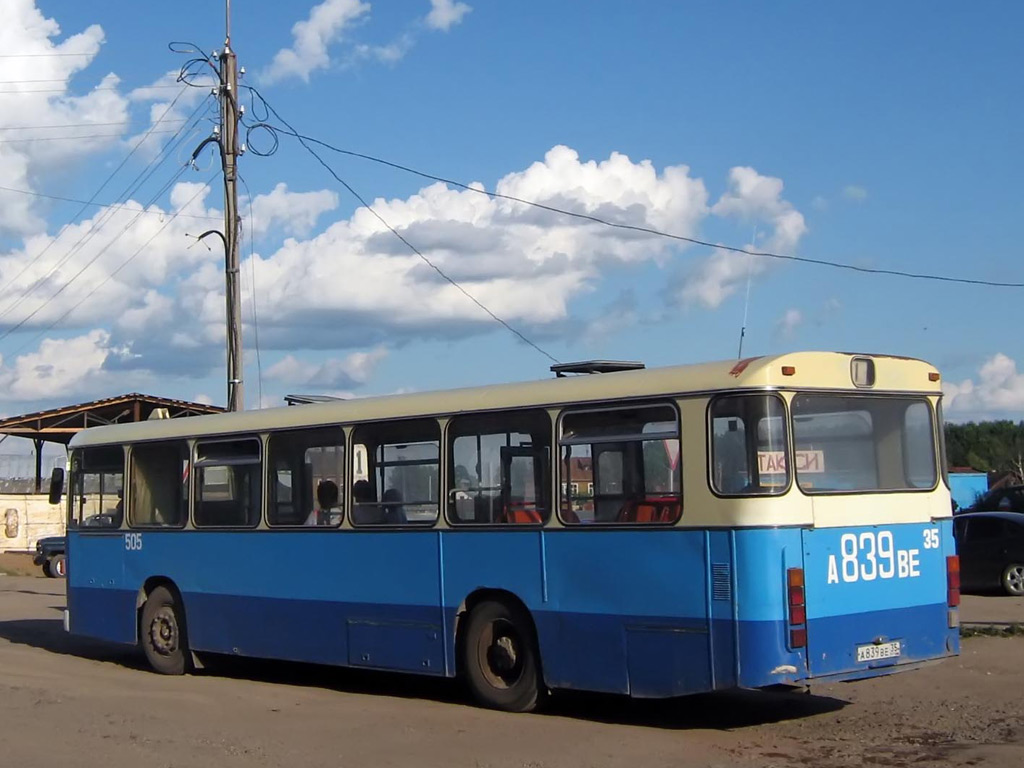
{"x":162,"y":632}
{"x":499,"y":658}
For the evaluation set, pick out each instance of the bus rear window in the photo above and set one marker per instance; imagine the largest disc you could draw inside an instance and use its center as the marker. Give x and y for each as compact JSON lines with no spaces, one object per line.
{"x":849,"y":444}
{"x":749,"y":453}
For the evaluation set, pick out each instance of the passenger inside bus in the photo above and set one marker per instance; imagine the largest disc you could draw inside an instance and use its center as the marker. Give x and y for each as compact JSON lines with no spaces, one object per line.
{"x":393,"y":512}
{"x":327,"y":502}
{"x":363,"y":511}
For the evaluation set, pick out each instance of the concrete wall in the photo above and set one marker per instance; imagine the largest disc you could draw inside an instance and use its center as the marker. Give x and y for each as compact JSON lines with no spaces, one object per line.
{"x":25,"y":518}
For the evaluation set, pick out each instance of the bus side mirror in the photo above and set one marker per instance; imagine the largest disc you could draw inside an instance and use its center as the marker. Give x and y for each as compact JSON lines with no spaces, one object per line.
{"x":56,"y":485}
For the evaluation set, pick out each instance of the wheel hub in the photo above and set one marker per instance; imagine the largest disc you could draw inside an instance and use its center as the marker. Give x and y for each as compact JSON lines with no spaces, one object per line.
{"x":1015,"y":579}
{"x":501,"y":655}
{"x":163,"y":632}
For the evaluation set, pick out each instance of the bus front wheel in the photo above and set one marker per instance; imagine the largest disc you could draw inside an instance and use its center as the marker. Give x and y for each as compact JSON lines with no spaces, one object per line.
{"x":500,"y":658}
{"x":163,"y":633}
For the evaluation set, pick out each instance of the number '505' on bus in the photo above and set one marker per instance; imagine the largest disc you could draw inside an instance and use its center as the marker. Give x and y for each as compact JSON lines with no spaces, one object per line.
{"x":776,"y":520}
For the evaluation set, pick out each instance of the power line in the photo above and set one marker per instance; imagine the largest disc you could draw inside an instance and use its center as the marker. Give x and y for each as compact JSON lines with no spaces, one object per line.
{"x":635,"y":228}
{"x":98,"y":88}
{"x":97,"y":223}
{"x":47,"y":80}
{"x":255,"y":319}
{"x":75,"y":138}
{"x":93,"y":260}
{"x":112,"y":206}
{"x":101,"y":221}
{"x":409,"y":245}
{"x":81,"y":125}
{"x":108,"y":278}
{"x":40,"y":55}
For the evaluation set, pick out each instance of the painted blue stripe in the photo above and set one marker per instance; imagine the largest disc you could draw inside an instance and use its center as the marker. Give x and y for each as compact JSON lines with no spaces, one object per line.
{"x":627,"y":611}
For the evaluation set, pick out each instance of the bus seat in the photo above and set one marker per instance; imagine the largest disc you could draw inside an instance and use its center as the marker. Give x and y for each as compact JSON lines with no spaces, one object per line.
{"x":520,"y":515}
{"x":649,"y":510}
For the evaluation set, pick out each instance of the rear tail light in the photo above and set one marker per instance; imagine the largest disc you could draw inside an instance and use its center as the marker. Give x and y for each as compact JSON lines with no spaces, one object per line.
{"x":952,"y":581}
{"x":797,"y":608}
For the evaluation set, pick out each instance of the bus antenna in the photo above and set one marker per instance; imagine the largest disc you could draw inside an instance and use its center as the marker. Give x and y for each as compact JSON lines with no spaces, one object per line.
{"x":746,"y":302}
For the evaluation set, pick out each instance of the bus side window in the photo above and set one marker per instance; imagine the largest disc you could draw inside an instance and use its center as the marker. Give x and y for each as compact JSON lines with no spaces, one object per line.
{"x":307,"y":471}
{"x":402,"y":473}
{"x":97,"y":488}
{"x":228,"y":481}
{"x":499,"y":468}
{"x":159,"y":485}
{"x":620,"y":465}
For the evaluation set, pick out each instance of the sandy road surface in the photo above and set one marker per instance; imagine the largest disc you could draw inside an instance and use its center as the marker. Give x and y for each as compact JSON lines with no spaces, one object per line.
{"x":68,"y":701}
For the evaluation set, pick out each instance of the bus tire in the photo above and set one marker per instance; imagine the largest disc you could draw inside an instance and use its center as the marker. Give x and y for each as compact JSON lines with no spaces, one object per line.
{"x":162,"y":633}
{"x":500,"y":658}
{"x":47,"y":570}
{"x":1013,"y":579}
{"x":59,"y":566}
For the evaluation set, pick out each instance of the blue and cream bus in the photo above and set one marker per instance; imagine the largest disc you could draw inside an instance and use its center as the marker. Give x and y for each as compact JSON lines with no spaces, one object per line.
{"x":777,"y":520}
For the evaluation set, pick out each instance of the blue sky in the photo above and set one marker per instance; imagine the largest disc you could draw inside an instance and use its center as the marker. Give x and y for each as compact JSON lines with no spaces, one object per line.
{"x":877,"y":134}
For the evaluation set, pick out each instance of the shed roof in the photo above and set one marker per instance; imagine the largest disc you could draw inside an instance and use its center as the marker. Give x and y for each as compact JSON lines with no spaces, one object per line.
{"x":59,"y":425}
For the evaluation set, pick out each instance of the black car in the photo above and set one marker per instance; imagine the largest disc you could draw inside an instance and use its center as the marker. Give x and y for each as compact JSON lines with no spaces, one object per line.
{"x":50,"y":553}
{"x":991,"y":549}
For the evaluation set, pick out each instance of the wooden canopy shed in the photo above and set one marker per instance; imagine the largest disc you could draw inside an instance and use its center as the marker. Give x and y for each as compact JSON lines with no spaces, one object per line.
{"x":59,"y":425}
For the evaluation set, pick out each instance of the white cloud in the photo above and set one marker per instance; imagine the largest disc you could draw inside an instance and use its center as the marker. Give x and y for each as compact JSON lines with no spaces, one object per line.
{"x":333,"y":374}
{"x":101,"y":114}
{"x":356,"y":284}
{"x":296,"y":212}
{"x":791,"y":319}
{"x":391,"y":53}
{"x":111,"y":282}
{"x":444,"y":14}
{"x":67,"y":369}
{"x":619,"y":315}
{"x":312,"y":38}
{"x":854,"y":192}
{"x":751,"y":197}
{"x":999,"y":389}
{"x":172,"y":103}
{"x":754,"y":197}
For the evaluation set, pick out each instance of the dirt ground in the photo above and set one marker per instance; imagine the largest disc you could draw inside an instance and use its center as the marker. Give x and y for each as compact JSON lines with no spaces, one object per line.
{"x":66,"y":700}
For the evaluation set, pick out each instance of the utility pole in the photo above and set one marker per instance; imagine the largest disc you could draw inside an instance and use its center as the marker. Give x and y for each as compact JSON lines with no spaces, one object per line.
{"x":229,"y":114}
{"x":225,"y":137}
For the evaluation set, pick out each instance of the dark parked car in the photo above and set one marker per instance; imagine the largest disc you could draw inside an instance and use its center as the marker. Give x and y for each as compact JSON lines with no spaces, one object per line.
{"x":50,"y":553}
{"x":991,"y":549}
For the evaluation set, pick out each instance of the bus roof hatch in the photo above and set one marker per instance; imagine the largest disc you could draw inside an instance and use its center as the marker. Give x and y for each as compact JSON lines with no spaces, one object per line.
{"x":595,"y":366}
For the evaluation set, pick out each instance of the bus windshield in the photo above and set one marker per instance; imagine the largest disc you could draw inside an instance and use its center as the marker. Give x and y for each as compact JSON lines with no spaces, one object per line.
{"x":863,"y":443}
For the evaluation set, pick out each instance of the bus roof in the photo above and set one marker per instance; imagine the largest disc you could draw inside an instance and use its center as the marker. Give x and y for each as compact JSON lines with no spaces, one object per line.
{"x":803,"y":370}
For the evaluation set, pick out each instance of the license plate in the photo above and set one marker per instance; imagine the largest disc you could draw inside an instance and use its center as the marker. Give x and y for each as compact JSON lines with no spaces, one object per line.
{"x":875,"y":652}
